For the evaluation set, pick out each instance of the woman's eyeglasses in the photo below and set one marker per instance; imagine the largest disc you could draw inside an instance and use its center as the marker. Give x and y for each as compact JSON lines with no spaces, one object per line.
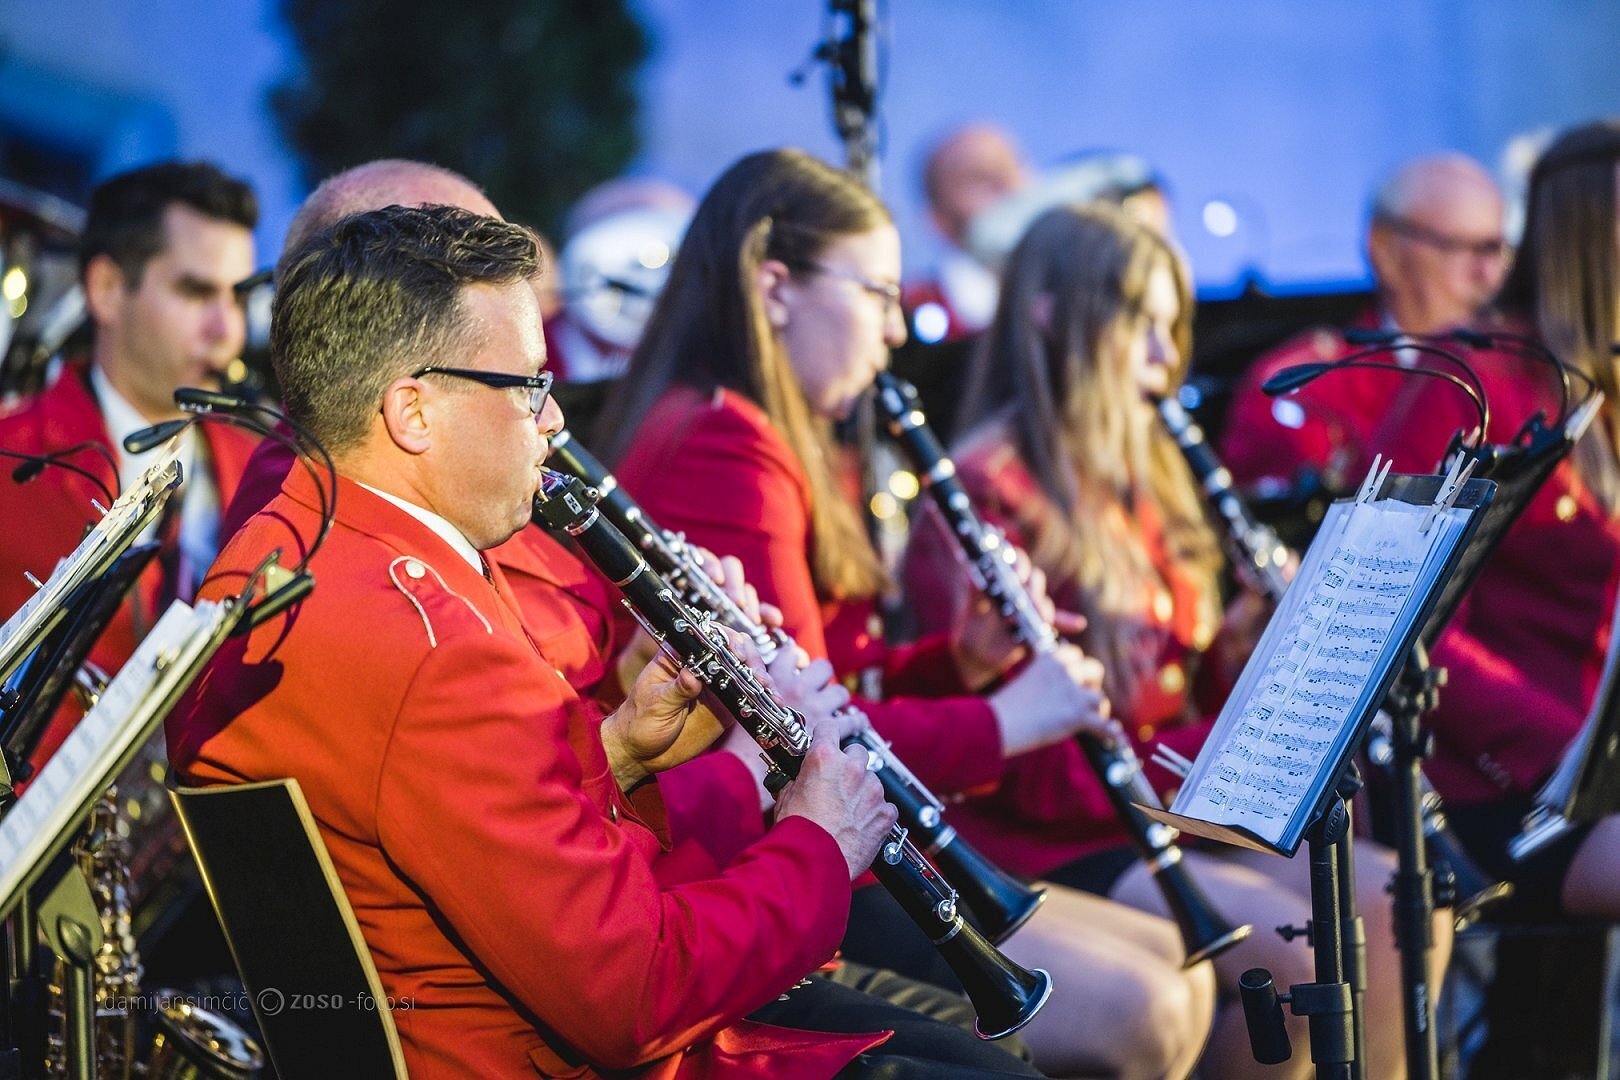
{"x":539,"y":386}
{"x":887,"y":292}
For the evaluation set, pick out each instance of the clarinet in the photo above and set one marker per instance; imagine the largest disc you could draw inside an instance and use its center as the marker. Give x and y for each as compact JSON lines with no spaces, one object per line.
{"x":1204,"y":932}
{"x":1005,"y":996}
{"x":1259,"y":558}
{"x":999,"y":902}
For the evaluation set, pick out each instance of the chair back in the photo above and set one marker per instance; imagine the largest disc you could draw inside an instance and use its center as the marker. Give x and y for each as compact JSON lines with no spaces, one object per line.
{"x":294,"y":938}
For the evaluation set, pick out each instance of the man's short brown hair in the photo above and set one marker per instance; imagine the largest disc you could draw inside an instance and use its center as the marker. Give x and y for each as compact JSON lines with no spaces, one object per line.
{"x":376,"y":296}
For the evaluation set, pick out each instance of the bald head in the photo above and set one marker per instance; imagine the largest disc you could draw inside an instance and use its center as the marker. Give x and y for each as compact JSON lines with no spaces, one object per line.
{"x":377,"y":184}
{"x":1435,"y":242}
{"x":1432,"y":186}
{"x":966,"y":172}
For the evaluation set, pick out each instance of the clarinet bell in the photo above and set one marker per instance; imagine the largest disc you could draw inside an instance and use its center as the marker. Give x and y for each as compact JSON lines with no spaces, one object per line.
{"x":1005,"y":995}
{"x":1205,"y":934}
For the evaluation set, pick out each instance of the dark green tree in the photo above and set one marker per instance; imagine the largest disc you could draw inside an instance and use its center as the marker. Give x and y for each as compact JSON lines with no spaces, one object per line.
{"x":533,"y":99}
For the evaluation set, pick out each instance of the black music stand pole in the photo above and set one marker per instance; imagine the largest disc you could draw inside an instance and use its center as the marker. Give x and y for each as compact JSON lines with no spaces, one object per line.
{"x":1329,"y":1003}
{"x":1415,"y":693}
{"x":1352,"y":928}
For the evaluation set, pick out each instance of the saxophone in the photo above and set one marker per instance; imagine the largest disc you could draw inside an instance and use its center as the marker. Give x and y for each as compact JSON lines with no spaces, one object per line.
{"x":188,"y":1042}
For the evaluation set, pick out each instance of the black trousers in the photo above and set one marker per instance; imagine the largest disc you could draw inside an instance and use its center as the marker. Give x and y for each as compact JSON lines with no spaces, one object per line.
{"x":922,"y":1045}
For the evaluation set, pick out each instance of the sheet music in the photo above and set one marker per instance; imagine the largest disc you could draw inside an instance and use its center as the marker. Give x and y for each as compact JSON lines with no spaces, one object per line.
{"x":111,"y":535}
{"x":127,"y":713}
{"x":1293,"y":711}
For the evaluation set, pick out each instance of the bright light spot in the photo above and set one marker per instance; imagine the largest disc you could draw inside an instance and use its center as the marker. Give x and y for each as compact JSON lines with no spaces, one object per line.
{"x":904,"y":485}
{"x":17,"y":306}
{"x":883,"y":506}
{"x":654,"y":254}
{"x":1219,"y":218}
{"x":14,"y":284}
{"x":1290,"y":414}
{"x":930,"y":323}
{"x":236,"y":371}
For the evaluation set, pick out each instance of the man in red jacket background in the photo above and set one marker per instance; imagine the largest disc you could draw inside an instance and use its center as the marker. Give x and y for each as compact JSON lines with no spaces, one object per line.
{"x":1435,"y":245}
{"x":162,"y":251}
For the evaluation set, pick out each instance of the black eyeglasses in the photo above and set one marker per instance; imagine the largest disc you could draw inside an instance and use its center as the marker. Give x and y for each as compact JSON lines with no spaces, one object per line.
{"x":1495,"y":248}
{"x":887,"y":292}
{"x":539,"y":386}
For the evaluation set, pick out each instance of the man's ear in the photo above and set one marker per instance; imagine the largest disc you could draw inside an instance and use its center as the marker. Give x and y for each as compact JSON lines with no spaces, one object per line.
{"x":774,"y":282}
{"x":1381,"y":257}
{"x":407,"y":416}
{"x":106,"y":289}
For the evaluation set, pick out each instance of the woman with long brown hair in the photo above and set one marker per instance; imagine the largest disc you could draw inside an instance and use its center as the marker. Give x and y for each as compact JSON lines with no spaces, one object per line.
{"x":779,"y":311}
{"x":1062,"y":448}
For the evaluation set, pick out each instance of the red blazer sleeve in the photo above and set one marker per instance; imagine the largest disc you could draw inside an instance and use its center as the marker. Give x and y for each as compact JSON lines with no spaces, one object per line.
{"x":712,"y":805}
{"x":574,"y":926}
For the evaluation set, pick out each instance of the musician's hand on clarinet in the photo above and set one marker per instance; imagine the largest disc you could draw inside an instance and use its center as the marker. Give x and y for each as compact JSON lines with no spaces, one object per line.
{"x":835,"y":790}
{"x":1057,"y":695}
{"x":660,"y":724}
{"x":812,"y":689}
{"x":727,"y":572}
{"x":981,"y":643}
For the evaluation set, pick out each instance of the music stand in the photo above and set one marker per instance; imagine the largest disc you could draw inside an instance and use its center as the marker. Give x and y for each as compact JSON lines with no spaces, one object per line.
{"x":1518,"y":469}
{"x":36,"y":832}
{"x":107,"y":540}
{"x":1279,"y":764}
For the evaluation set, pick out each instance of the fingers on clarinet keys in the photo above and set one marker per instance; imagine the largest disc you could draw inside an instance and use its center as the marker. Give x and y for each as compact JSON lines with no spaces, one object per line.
{"x":835,"y":790}
{"x":1053,"y":698}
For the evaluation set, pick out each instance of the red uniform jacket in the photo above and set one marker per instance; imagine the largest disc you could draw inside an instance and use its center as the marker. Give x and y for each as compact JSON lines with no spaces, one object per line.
{"x":499,"y":877}
{"x":47,"y":516}
{"x":1525,"y":650}
{"x":713,"y":467}
{"x":1324,"y":426}
{"x":1049,"y":807}
{"x":569,"y":611}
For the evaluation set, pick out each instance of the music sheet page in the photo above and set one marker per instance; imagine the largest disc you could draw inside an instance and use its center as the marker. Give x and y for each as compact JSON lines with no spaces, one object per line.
{"x":1293,"y":711}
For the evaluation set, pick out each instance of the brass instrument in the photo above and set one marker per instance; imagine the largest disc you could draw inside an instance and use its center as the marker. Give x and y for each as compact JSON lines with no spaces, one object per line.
{"x":1204,"y":932}
{"x":999,"y":902}
{"x":1005,"y":995}
{"x":189,"y":1042}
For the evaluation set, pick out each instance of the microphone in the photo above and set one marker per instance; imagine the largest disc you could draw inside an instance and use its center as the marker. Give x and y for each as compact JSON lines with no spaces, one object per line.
{"x":195,"y":399}
{"x":34,"y":464}
{"x":1292,"y":378}
{"x":1371,"y":335}
{"x":139,"y":442}
{"x":1298,"y":375}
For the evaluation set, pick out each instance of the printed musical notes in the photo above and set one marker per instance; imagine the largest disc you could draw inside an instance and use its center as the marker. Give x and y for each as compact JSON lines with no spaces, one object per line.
{"x":1288,"y":722}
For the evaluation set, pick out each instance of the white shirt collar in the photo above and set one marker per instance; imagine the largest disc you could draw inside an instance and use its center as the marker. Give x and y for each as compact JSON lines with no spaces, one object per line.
{"x":448,"y":532}
{"x":123,"y":419}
